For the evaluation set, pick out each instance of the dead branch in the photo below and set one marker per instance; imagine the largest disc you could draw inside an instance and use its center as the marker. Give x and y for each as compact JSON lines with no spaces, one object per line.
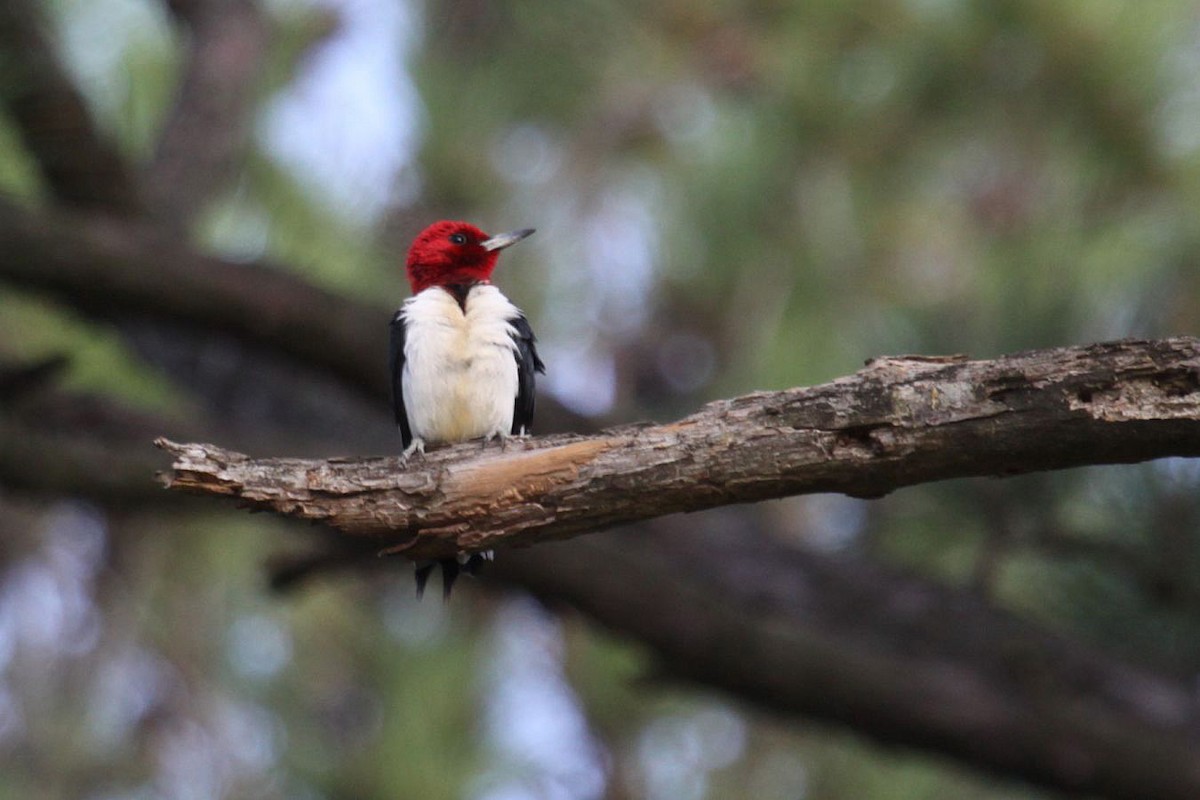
{"x":898,"y":422}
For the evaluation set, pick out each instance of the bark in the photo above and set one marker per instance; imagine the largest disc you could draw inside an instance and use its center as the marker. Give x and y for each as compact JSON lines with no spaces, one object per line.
{"x":898,"y":422}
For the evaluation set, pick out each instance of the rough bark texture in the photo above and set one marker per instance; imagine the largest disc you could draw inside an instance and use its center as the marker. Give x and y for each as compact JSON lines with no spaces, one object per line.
{"x":898,"y":422}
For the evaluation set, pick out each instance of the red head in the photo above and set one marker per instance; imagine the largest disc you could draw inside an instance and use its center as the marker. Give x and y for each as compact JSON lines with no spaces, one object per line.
{"x":448,"y":252}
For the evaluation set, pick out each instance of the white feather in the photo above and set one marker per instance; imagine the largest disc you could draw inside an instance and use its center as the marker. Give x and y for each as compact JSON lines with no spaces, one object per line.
{"x":460,"y":370}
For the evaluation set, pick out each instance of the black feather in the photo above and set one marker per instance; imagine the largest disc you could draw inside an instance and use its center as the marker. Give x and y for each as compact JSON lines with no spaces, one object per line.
{"x":396,"y":363}
{"x":422,"y":575}
{"x":528,"y":363}
{"x":450,"y":568}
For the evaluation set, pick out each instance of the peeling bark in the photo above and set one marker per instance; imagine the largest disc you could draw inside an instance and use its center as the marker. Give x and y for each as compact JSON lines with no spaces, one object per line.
{"x":898,"y":422}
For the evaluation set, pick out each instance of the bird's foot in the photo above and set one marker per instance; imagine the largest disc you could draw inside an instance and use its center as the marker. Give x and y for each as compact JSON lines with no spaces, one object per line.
{"x":505,"y":438}
{"x":417,"y":446}
{"x":494,"y":435}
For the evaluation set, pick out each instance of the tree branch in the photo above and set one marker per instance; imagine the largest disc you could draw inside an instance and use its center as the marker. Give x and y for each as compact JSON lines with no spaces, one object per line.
{"x":895,"y":657}
{"x":81,"y":167}
{"x":55,"y":443}
{"x":898,"y":422}
{"x":898,"y":658}
{"x":116,"y":269}
{"x":202,"y":141}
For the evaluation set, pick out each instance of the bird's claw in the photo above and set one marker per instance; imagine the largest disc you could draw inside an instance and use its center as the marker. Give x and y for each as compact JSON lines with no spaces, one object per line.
{"x":503,"y":437}
{"x":417,"y":446}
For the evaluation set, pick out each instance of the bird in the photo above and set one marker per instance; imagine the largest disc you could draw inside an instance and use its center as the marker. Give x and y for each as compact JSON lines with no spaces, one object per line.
{"x":463,"y":358}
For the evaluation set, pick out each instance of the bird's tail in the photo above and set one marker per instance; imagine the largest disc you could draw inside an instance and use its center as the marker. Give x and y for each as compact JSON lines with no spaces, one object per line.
{"x":468,"y":563}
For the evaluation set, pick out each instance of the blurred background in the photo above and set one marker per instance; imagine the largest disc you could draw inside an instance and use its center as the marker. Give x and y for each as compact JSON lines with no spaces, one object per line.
{"x":728,"y":197}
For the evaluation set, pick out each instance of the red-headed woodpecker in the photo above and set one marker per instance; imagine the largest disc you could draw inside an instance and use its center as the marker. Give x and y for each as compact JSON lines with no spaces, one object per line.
{"x":463,"y":357}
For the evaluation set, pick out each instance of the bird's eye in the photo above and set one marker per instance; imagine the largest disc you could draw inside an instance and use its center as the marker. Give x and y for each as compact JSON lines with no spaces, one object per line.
{"x":458,"y":238}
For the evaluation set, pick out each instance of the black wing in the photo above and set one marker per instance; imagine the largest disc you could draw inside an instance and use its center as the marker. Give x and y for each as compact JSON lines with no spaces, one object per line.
{"x":528,"y":363}
{"x":396,"y":363}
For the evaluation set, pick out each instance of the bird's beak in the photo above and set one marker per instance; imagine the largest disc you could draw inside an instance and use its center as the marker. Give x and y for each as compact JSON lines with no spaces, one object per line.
{"x":503,"y":240}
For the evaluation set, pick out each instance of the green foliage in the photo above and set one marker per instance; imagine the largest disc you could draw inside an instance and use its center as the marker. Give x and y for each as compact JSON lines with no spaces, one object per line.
{"x":19,"y":180}
{"x":32,"y":328}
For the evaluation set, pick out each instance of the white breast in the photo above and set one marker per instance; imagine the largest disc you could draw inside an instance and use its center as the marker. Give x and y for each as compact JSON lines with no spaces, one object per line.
{"x":460,"y":370}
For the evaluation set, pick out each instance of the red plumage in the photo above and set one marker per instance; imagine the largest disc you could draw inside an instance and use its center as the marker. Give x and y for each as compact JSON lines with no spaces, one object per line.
{"x":448,"y":253}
